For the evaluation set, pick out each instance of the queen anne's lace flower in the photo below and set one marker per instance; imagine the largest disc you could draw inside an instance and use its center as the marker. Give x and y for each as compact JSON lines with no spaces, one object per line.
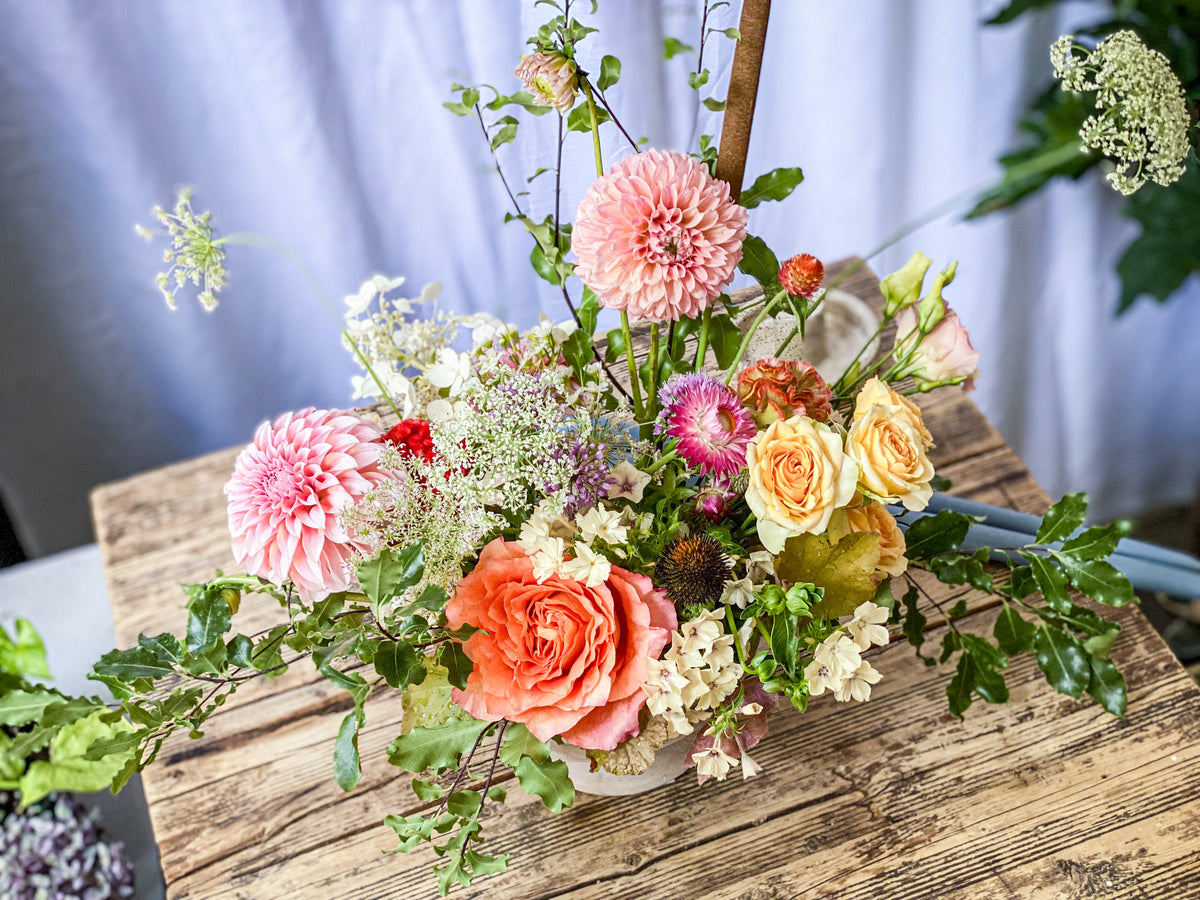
{"x":658,"y":236}
{"x":1142,"y":121}
{"x":288,"y":492}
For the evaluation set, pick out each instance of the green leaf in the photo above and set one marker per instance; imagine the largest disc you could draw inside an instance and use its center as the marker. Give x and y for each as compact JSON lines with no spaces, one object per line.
{"x":1168,"y":250}
{"x":351,"y":682}
{"x":1013,"y":632}
{"x":165,"y":647}
{"x":548,"y":780}
{"x":129,"y":666}
{"x":1016,"y":8}
{"x":399,"y":663}
{"x":1097,"y":542}
{"x":391,"y":572}
{"x":208,"y":620}
{"x":714,"y":104}
{"x":614,"y":346}
{"x":458,"y":665}
{"x":68,"y":769}
{"x":239,"y":651}
{"x":724,"y":338}
{"x":427,"y":791}
{"x":959,"y":690}
{"x":580,"y":118}
{"x":1050,"y":581}
{"x":1098,"y":579}
{"x":759,"y":262}
{"x":775,"y":185}
{"x":931,"y":535}
{"x":1107,"y":686}
{"x":914,"y":621}
{"x":1063,"y":661}
{"x":785,"y":643}
{"x":53,"y":719}
{"x":610,"y":72}
{"x":845,"y":570}
{"x":506,"y":134}
{"x":21,"y":707}
{"x":697,"y":80}
{"x":441,"y":747}
{"x":26,"y":655}
{"x":346,"y":765}
{"x":1062,"y":519}
{"x":464,"y":804}
{"x":673,"y":47}
{"x":518,"y":743}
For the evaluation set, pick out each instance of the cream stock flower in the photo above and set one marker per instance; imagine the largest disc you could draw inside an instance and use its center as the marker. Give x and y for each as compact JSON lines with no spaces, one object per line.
{"x":799,"y":474}
{"x":891,"y":456}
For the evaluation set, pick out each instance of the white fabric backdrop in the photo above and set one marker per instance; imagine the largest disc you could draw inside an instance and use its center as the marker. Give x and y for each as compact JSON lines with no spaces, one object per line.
{"x":320,"y":124}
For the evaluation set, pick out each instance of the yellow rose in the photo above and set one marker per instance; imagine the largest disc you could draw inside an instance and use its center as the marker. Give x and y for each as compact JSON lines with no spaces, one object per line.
{"x":891,"y":456}
{"x":799,"y":474}
{"x":873,"y":517}
{"x":876,"y":393}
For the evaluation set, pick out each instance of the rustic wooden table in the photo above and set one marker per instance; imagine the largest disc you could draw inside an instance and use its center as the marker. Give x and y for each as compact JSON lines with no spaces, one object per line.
{"x":894,"y":799}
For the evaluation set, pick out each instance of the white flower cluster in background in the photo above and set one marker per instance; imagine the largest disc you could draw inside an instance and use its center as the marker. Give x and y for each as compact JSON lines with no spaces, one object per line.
{"x":695,"y":675}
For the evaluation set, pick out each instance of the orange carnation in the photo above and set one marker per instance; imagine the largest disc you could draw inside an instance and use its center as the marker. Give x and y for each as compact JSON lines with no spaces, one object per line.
{"x":560,"y":657}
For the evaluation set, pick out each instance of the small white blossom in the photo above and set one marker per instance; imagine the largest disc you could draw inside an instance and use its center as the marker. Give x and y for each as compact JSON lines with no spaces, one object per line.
{"x":867,"y":628}
{"x":820,"y":678}
{"x":628,"y":482}
{"x":857,"y":685}
{"x":762,"y":562}
{"x":547,"y":558}
{"x":839,"y":653}
{"x":603,"y":523}
{"x":714,"y":762}
{"x":450,"y":371}
{"x":750,"y":768}
{"x":738,"y":593}
{"x":588,"y":566}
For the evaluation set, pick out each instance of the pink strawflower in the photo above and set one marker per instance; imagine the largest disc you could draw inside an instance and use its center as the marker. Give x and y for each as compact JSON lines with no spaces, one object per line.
{"x":658,"y":236}
{"x":287,"y":494}
{"x":712,"y":427}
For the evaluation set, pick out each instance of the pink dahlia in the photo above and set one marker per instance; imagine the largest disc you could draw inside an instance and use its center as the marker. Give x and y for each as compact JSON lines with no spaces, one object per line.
{"x":287,"y":494}
{"x":658,"y":236}
{"x":712,"y":427}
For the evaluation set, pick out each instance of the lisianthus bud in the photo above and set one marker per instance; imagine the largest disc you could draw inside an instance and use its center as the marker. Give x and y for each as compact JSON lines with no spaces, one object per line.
{"x":551,"y":78}
{"x":781,"y":388}
{"x":802,"y":275}
{"x":943,"y":356}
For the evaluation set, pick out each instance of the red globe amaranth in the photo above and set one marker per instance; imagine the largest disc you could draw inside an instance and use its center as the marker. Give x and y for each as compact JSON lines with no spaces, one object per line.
{"x":558,"y":656}
{"x":412,"y":438}
{"x":774,"y":389}
{"x":802,"y":275}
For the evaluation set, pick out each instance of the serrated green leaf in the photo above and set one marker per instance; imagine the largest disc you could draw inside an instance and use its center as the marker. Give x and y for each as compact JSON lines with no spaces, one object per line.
{"x":610,"y":72}
{"x":1062,"y":519}
{"x":52,"y":720}
{"x":673,"y":47}
{"x":165,"y":647}
{"x":464,"y":804}
{"x":1107,"y":686}
{"x":399,"y":663}
{"x":128,"y":666}
{"x":455,"y":661}
{"x":427,"y":791}
{"x":1050,"y":581}
{"x":844,"y":570}
{"x":1096,"y":542}
{"x":1098,"y":579}
{"x":208,"y":620}
{"x":548,"y":780}
{"x":239,"y":651}
{"x":347,"y":768}
{"x":68,"y":769}
{"x":18,"y":708}
{"x":1013,"y":632}
{"x":914,"y":621}
{"x":518,"y":743}
{"x":962,"y":685}
{"x":1063,"y":661}
{"x":930,"y":536}
{"x":441,"y":747}
{"x":26,"y":655}
{"x":759,"y":262}
{"x":391,"y":572}
{"x":774,"y":185}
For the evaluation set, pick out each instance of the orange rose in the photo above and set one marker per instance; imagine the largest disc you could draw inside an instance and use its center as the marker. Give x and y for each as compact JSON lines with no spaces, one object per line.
{"x":874,"y":517}
{"x":798,"y":476}
{"x":891,"y":454}
{"x":562,"y":658}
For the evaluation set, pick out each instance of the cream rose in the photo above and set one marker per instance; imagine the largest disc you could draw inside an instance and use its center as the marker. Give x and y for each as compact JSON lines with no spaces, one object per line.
{"x":891,"y":456}
{"x":799,"y":474}
{"x":873,"y":517}
{"x":877,"y":393}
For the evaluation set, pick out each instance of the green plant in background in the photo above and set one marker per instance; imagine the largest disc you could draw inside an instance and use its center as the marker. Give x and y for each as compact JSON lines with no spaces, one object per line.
{"x":1146,"y":130}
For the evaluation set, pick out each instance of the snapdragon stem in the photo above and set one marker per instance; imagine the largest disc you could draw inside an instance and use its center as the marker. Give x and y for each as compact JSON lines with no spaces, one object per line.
{"x":749,"y":335}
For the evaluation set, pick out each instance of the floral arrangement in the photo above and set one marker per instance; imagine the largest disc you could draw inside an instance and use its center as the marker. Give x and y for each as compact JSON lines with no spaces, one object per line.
{"x":611,"y":539}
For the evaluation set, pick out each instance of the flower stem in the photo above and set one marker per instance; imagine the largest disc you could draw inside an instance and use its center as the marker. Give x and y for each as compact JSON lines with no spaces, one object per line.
{"x":251,"y":239}
{"x":591,"y":102}
{"x":638,"y":409}
{"x":652,"y":385}
{"x":362,"y":358}
{"x":702,"y":340}
{"x":749,"y":335}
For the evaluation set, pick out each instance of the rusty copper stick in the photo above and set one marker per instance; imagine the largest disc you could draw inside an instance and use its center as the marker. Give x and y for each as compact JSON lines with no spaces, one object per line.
{"x":743,"y":89}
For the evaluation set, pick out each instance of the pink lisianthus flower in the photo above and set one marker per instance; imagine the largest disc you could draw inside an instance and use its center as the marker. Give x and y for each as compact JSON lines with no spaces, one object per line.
{"x":711,"y":427}
{"x":554,"y":654}
{"x":287,"y":493}
{"x":658,"y":236}
{"x":943,"y":356}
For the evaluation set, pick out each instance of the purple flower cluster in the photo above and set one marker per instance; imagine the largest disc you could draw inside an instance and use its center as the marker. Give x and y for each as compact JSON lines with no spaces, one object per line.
{"x":54,"y":850}
{"x":593,"y":477}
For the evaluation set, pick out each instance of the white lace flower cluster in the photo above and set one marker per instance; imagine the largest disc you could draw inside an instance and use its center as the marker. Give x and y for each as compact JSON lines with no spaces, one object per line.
{"x":389,"y":343}
{"x":1142,"y":121}
{"x":695,"y":675}
{"x":547,"y":536}
{"x":194,"y":255}
{"x":837,"y":664}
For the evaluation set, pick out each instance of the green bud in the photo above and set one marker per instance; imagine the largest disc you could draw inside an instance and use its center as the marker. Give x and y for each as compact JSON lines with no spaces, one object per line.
{"x":903,"y":288}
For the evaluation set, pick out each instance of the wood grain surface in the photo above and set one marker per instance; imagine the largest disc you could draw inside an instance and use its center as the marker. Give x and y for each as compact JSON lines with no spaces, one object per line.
{"x":1044,"y":797}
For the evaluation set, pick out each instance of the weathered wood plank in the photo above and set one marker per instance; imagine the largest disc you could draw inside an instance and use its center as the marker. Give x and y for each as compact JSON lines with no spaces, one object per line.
{"x":1044,"y":797}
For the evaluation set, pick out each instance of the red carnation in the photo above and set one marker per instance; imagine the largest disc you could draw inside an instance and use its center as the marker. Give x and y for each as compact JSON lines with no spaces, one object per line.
{"x":411,"y":437}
